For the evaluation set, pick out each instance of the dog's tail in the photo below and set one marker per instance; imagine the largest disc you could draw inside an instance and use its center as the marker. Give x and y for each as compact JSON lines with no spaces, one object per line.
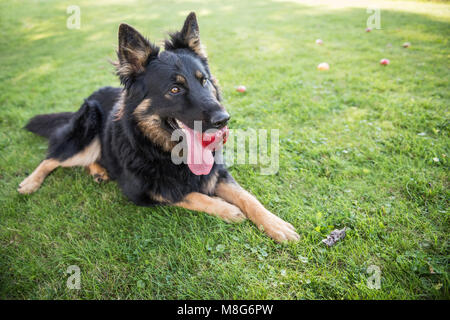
{"x":45,"y":124}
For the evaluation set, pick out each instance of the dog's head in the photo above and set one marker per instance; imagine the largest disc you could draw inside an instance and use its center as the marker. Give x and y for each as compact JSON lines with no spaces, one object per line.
{"x":172,"y":89}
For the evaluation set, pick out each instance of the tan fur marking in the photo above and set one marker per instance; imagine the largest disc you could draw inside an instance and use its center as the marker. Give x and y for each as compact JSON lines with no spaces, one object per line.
{"x":86,"y":157}
{"x":89,"y":155}
{"x":136,"y":60}
{"x":142,"y":107}
{"x":180,"y":79}
{"x":210,"y":185}
{"x":150,"y":125}
{"x":139,"y":57}
{"x":34,"y":180}
{"x":98,"y":172}
{"x":119,"y":108}
{"x":124,"y":68}
{"x":215,"y":81}
{"x":215,"y":84}
{"x":275,"y":227}
{"x":198,"y":75}
{"x":211,"y":205}
{"x":197,"y":47}
{"x":159,"y":198}
{"x":214,"y":91}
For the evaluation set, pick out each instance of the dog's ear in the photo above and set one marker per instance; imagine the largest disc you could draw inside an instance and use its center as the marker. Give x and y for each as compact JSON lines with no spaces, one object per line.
{"x":188,"y":37}
{"x":134,"y":53}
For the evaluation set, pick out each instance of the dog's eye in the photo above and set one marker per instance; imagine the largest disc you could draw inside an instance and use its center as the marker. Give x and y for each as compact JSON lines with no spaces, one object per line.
{"x":175,"y":90}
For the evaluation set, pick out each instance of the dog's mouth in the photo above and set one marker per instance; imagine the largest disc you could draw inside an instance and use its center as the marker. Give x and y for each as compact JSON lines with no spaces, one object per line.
{"x":172,"y":123}
{"x":200,"y":145}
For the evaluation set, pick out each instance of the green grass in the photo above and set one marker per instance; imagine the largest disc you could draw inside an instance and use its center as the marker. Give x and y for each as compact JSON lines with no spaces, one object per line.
{"x":356,"y":150}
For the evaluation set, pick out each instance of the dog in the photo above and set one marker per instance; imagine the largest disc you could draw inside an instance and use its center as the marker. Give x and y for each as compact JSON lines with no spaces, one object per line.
{"x":124,"y":134}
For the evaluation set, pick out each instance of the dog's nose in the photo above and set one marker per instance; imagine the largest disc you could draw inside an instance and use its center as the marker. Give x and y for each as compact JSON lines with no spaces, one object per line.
{"x":220,"y":119}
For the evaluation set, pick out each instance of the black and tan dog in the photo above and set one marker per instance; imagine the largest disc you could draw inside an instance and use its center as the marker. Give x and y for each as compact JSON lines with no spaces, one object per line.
{"x":125,"y":133}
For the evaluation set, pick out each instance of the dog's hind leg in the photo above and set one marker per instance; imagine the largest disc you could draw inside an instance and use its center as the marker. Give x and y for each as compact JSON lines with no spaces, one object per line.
{"x":75,"y":143}
{"x":85,"y":158}
{"x":98,"y":172}
{"x":211,"y":205}
{"x":34,"y":180}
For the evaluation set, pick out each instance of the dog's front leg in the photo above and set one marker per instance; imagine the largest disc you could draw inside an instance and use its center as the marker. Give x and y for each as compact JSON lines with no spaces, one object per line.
{"x":212,"y":205}
{"x":275,"y":227}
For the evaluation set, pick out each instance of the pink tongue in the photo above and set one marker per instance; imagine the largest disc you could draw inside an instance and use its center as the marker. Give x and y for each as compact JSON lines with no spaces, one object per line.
{"x":200,"y":160}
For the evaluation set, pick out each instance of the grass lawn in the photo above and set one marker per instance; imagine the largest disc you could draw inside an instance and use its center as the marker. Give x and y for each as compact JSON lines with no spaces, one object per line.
{"x":362,"y":146}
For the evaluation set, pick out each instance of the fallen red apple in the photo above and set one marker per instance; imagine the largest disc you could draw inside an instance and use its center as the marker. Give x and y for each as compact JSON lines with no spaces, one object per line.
{"x":319,"y":41}
{"x":323,"y":66}
{"x":384,"y":62}
{"x":241,"y":88}
{"x":406,"y":45}
{"x":368,"y":29}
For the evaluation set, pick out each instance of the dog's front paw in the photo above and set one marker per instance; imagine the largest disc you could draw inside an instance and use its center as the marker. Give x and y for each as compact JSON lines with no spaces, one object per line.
{"x":230,"y":213}
{"x":278,"y":229}
{"x":100,"y":177}
{"x":97,"y":172}
{"x":28,"y":186}
{"x":236,"y":215}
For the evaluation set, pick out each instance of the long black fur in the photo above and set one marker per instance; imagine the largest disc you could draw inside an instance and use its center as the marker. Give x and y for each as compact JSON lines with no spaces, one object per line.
{"x":45,"y":124}
{"x":143,"y":169}
{"x":72,"y":137}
